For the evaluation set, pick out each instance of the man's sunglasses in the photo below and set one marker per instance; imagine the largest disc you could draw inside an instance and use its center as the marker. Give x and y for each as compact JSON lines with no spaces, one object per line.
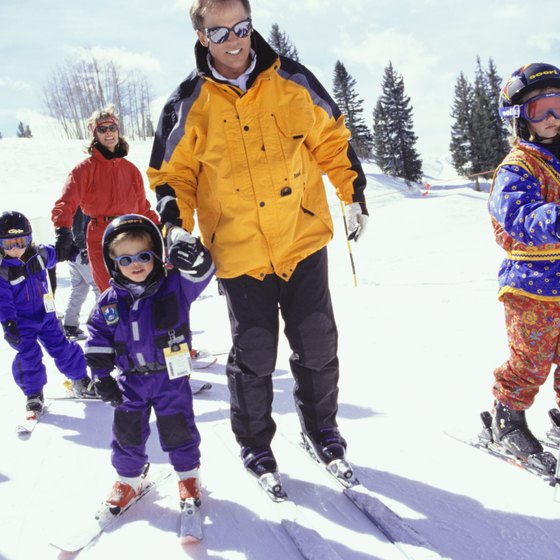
{"x":536,"y":109}
{"x":21,"y":242}
{"x":111,"y":128}
{"x":219,"y":35}
{"x":143,"y":257}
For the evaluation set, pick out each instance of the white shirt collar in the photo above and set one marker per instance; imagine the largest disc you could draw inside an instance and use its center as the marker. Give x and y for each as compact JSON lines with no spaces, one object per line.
{"x":240,"y":81}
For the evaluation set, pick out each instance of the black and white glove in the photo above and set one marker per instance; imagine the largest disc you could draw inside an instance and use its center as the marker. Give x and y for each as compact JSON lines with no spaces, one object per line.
{"x":108,"y":390}
{"x":186,"y":252}
{"x":11,"y":333}
{"x":168,"y":211}
{"x":357,"y":220}
{"x":64,"y":243}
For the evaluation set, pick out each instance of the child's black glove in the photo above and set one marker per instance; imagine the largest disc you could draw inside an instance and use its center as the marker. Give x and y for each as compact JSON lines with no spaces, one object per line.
{"x":108,"y":390}
{"x":11,"y":333}
{"x":64,"y":243}
{"x":187,"y":253}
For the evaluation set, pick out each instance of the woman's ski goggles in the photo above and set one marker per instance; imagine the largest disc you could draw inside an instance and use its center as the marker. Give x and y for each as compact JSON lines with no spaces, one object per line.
{"x":536,"y":109}
{"x":219,"y":35}
{"x":143,"y":257}
{"x":20,"y":242}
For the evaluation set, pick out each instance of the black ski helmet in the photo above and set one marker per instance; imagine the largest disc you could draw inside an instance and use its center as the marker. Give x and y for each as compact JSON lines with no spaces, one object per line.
{"x":524,"y":80}
{"x":14,"y":224}
{"x":131,"y":222}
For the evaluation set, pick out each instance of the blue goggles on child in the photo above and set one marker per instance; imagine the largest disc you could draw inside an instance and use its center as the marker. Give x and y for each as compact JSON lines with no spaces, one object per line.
{"x":20,"y":242}
{"x":143,"y":257}
{"x":536,"y":109}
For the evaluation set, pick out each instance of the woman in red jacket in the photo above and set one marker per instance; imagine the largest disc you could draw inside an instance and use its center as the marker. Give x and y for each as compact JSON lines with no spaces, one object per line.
{"x":105,"y":185}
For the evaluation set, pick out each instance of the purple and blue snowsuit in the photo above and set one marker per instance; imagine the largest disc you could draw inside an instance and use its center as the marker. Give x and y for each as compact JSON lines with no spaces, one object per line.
{"x":129,"y":334}
{"x":23,"y":285}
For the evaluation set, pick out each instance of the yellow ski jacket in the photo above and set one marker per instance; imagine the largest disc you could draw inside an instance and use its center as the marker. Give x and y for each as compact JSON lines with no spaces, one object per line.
{"x":250,"y":163}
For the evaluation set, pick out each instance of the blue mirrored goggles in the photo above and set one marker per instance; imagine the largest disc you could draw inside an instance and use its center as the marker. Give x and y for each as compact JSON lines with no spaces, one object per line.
{"x":20,"y":242}
{"x":536,"y":110}
{"x":219,"y":35}
{"x":143,"y":257}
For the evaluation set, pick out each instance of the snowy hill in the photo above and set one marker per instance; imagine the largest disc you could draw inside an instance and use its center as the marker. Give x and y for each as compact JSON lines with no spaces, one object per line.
{"x":419,"y":338}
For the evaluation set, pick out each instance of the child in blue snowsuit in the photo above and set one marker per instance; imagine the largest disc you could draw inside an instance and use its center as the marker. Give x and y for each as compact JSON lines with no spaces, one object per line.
{"x":28,"y":316}
{"x":140,"y":326}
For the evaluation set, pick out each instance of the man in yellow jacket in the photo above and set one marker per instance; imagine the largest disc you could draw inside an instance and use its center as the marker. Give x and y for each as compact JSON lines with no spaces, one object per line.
{"x":243,"y":141}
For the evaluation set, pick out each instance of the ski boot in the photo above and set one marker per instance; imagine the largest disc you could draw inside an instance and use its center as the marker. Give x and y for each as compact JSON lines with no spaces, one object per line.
{"x":84,"y":388}
{"x":124,"y":491}
{"x":35,"y":404}
{"x":74,"y":333}
{"x":190,"y":501}
{"x":510,"y":430}
{"x":328,"y":447}
{"x":260,"y":462}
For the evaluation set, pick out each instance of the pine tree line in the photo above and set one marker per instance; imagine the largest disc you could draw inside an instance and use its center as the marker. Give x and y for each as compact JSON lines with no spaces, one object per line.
{"x":478,"y":136}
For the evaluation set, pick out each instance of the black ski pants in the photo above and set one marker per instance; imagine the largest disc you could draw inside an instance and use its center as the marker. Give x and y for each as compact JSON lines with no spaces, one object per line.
{"x":305,"y":304}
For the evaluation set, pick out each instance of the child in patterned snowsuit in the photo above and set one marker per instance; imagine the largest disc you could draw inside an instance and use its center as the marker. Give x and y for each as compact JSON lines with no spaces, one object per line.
{"x":525,"y":207}
{"x":28,"y":315}
{"x":135,"y":325}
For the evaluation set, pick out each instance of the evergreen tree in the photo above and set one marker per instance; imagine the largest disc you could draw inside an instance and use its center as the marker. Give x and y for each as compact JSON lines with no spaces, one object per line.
{"x":478,"y":136}
{"x":381,"y":139}
{"x":393,"y":130}
{"x":23,"y":131}
{"x":351,"y":105}
{"x":482,"y":143}
{"x":281,"y":43}
{"x":1,"y":136}
{"x":500,"y":145}
{"x":461,"y":131}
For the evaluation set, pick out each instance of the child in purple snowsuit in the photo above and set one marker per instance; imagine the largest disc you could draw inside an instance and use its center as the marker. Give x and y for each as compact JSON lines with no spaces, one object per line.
{"x":136,"y":325}
{"x":28,"y":316}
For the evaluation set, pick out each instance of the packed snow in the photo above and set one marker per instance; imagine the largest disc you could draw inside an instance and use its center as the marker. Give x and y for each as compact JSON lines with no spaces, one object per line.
{"x":420,"y":336}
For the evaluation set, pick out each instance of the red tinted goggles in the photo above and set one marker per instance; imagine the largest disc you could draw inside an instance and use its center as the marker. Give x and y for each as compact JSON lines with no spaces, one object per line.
{"x":20,"y":242}
{"x":538,"y":108}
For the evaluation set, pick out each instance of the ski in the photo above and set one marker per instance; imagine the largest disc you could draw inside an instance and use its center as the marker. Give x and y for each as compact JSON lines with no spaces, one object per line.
{"x":25,"y":429}
{"x":203,"y":361}
{"x":190,"y":526}
{"x":411,"y":544}
{"x":310,"y":544}
{"x":542,"y":465}
{"x":103,"y":518}
{"x":198,"y":387}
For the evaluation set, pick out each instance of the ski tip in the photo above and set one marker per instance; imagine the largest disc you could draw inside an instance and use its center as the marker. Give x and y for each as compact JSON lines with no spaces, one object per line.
{"x":189,"y":539}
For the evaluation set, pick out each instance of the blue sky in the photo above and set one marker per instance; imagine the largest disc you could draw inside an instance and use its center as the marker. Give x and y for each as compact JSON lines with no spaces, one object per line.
{"x":429,"y":42}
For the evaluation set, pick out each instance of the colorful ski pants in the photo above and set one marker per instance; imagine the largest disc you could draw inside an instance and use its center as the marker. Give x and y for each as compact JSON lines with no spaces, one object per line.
{"x":533,"y":329}
{"x":171,"y":400}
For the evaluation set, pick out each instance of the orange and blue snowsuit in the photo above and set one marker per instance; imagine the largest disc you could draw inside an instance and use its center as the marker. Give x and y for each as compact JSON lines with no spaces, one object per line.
{"x":525,"y":207}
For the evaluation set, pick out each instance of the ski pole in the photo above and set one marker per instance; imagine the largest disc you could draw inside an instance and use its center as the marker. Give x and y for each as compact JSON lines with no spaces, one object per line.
{"x":348,"y":244}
